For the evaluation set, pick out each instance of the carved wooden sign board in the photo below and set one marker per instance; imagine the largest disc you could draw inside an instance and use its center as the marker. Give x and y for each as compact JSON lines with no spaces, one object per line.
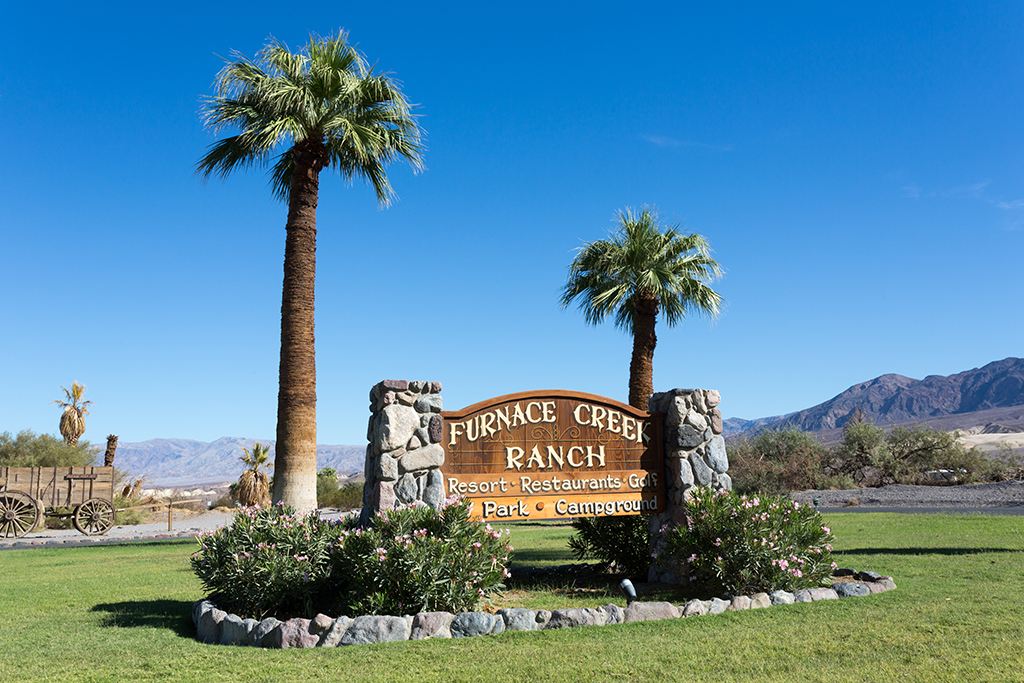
{"x":554,"y":455}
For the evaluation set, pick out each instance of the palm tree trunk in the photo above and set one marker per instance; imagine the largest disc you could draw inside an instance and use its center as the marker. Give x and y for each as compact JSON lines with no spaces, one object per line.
{"x":295,"y":457}
{"x":641,"y":367}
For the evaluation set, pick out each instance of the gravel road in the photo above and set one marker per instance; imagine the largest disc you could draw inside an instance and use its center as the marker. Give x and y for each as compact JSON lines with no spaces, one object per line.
{"x":1003,"y":494}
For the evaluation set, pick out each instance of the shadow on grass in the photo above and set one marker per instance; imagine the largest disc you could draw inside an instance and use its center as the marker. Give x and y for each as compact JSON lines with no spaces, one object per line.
{"x":532,"y":557}
{"x":173,"y":615}
{"x":923,"y":551}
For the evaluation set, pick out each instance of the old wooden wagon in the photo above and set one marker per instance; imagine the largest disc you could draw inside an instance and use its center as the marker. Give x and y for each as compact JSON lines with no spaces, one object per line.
{"x":27,"y":494}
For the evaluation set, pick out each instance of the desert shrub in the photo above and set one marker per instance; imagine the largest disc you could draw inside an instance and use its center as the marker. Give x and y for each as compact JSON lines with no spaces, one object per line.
{"x":29,"y":449}
{"x":905,"y":455}
{"x":326,"y":485}
{"x":129,"y":516}
{"x":621,"y":542}
{"x":268,"y":562}
{"x":273,"y":562}
{"x":420,"y":559}
{"x":775,"y":462}
{"x":745,"y":544}
{"x":347,"y":497}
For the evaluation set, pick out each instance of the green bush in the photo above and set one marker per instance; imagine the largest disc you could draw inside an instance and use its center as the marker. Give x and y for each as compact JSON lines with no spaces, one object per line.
{"x":621,"y":542}
{"x":742,"y":544}
{"x":268,"y":562}
{"x":347,"y":497}
{"x":272,"y":562}
{"x":905,"y":455}
{"x":418,"y":559}
{"x":29,"y":449}
{"x":776,"y":462}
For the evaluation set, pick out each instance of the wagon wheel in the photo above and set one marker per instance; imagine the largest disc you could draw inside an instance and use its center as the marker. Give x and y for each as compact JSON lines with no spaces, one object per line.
{"x":94,"y":517}
{"x":19,"y":514}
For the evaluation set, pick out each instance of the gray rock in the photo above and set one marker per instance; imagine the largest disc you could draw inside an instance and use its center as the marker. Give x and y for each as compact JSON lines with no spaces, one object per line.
{"x":543,"y":617}
{"x":431,"y":403}
{"x":887,"y":583}
{"x":376,"y":629}
{"x":614,"y":614}
{"x":200,"y":606}
{"x":781,"y":597}
{"x":760,"y":601}
{"x":236,"y":631}
{"x":649,"y":611}
{"x":696,"y":420}
{"x":262,"y":629}
{"x":423,"y":435}
{"x":740,"y":603}
{"x":718,"y":606}
{"x":701,"y":472}
{"x":416,"y":386}
{"x":405,"y":489}
{"x":676,"y":411}
{"x":823,"y":594}
{"x":694,"y":608}
{"x":843,"y":571}
{"x":384,"y":495}
{"x":432,"y":625}
{"x":684,"y":436}
{"x":867,"y":576}
{"x":468,"y":624}
{"x":333,"y":635}
{"x":387,"y":468}
{"x":697,"y":397}
{"x":725,"y":482}
{"x":406,"y":398}
{"x":428,"y":457}
{"x":396,"y":424}
{"x":851,"y":589}
{"x":716,"y":421}
{"x":209,"y":629}
{"x":682,"y":472}
{"x":518,"y":619}
{"x":433,"y":492}
{"x":802,"y":595}
{"x":320,"y":624}
{"x":572,"y":617}
{"x":499,"y":625}
{"x":716,"y":456}
{"x":414,"y":442}
{"x":291,"y":634}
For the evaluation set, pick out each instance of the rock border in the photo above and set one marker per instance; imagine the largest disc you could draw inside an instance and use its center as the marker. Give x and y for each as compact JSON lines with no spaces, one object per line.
{"x":217,"y":627}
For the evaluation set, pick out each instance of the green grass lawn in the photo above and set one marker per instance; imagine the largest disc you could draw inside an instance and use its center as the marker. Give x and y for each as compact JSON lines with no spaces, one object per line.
{"x":123,"y":613}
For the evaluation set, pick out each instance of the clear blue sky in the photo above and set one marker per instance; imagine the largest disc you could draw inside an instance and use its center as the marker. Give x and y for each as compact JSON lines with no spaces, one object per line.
{"x":857,"y":169}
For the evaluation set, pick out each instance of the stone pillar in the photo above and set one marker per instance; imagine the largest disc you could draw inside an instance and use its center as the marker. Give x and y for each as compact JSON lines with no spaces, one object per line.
{"x":694,"y":456}
{"x":404,"y":454}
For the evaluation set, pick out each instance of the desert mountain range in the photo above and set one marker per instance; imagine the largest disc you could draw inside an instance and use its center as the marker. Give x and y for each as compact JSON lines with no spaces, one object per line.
{"x":989,"y":399}
{"x":980,"y":402}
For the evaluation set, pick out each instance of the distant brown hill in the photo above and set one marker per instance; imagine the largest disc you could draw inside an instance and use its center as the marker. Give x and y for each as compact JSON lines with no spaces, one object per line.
{"x":934,"y":399}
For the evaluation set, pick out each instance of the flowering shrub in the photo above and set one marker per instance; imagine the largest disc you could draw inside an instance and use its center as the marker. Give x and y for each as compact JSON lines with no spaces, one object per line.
{"x":417,"y":559}
{"x":743,"y":544}
{"x":267,"y":562}
{"x":270,"y":562}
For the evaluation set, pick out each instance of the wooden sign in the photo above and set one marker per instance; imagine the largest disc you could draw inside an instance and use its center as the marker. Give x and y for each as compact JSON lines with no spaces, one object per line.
{"x":554,"y":455}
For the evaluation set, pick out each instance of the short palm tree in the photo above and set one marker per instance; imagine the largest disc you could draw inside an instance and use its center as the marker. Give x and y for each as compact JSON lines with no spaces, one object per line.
{"x":643,"y":269}
{"x":254,"y":484}
{"x":72,"y":420}
{"x":318,"y":108}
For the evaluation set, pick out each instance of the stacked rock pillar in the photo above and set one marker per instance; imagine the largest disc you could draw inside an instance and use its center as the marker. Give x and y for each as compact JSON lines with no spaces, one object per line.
{"x":404,"y":454}
{"x":694,"y":456}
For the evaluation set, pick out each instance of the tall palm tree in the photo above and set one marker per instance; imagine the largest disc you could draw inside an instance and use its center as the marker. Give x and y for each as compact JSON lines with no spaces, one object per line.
{"x":322,"y":107}
{"x":72,"y":420}
{"x":643,"y":269}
